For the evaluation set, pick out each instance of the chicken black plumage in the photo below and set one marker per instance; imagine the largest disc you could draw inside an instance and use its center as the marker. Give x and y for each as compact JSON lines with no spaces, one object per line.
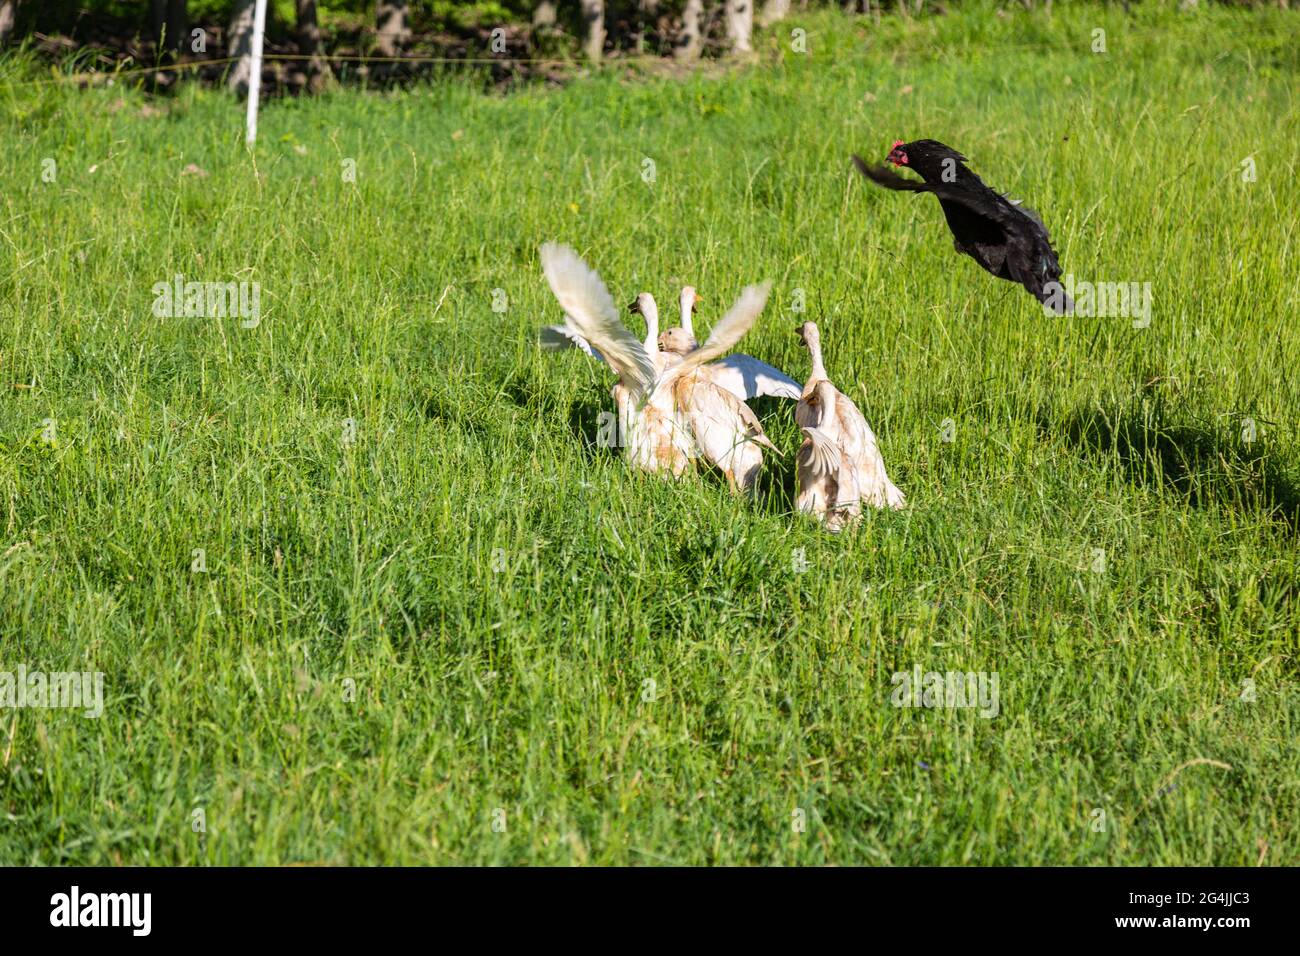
{"x":1008,"y":241}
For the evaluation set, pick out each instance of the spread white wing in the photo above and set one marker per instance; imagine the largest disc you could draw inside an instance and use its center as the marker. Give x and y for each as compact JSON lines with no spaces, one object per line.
{"x":747,"y":377}
{"x":730,"y":329}
{"x":552,"y":338}
{"x":590,"y":312}
{"x":821,"y":451}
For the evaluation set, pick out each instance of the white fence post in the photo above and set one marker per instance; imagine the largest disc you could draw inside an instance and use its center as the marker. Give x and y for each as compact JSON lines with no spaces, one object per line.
{"x":255,"y":72}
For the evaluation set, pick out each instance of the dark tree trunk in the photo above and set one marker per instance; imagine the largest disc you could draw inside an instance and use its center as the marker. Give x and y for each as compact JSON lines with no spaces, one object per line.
{"x":239,"y":43}
{"x":178,"y":25}
{"x":309,"y":42}
{"x":646,"y":18}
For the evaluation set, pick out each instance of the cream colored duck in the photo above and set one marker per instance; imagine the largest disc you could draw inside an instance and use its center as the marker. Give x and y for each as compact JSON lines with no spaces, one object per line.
{"x":654,"y":438}
{"x":839,"y":467}
{"x":645,"y":306}
{"x":686,"y":300}
{"x":723,"y":426}
{"x":742,"y":375}
{"x":665,"y":411}
{"x":556,"y":337}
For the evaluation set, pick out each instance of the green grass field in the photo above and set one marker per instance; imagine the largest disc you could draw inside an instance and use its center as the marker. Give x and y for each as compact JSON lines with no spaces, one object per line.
{"x":647,"y":679}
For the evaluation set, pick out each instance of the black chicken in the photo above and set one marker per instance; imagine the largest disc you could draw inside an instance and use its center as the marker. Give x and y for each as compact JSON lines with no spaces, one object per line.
{"x":1009,"y":241}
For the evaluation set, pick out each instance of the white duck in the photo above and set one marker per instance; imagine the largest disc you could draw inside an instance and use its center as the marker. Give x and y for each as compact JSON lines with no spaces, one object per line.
{"x":646,"y":306}
{"x":556,"y":337}
{"x":654,"y":438}
{"x":553,"y":338}
{"x":839,"y":466}
{"x":726,"y":430}
{"x":742,"y":375}
{"x":686,"y":300}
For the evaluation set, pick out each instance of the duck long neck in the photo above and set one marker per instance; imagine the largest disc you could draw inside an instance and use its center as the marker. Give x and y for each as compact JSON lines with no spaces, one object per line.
{"x":688,"y":304}
{"x":827,"y":395}
{"x":650,"y":309}
{"x":815,"y":350}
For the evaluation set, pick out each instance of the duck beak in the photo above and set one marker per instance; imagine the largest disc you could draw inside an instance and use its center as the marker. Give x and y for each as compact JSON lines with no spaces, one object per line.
{"x":634,"y":309}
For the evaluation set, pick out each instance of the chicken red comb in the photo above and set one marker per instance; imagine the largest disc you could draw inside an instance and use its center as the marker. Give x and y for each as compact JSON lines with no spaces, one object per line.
{"x":897,"y":143}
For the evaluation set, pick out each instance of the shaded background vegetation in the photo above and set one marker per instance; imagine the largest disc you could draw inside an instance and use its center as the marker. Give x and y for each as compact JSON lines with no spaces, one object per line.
{"x":312,"y":43}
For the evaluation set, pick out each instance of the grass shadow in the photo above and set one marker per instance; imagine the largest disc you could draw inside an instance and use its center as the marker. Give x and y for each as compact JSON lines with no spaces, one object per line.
{"x":1207,"y":465}
{"x":595,"y":427}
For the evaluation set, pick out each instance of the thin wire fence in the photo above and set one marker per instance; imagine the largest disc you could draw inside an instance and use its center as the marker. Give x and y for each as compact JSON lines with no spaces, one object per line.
{"x":635,"y":59}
